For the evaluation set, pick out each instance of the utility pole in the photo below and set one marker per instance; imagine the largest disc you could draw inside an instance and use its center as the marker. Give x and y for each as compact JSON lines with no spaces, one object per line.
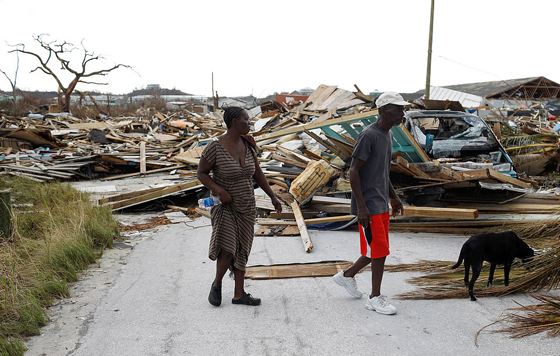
{"x":429,"y":69}
{"x":214,"y":95}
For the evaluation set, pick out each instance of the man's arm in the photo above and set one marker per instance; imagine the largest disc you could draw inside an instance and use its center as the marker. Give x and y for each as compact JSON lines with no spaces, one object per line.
{"x":396,"y":204}
{"x":363,"y":212}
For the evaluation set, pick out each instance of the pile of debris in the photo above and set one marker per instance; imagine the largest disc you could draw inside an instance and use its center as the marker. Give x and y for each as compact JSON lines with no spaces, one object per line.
{"x":450,"y":167}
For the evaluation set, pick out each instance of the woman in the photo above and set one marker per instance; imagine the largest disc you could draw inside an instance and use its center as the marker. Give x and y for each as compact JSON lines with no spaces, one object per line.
{"x":233,"y":160}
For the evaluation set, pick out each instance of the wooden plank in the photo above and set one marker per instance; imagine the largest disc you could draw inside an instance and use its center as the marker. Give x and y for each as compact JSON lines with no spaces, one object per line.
{"x":334,"y":149}
{"x":307,"y":243}
{"x":311,"y":126}
{"x":188,"y":160}
{"x":514,"y":208}
{"x":330,"y":200}
{"x":451,"y":213}
{"x":309,"y":221}
{"x":155,"y":195}
{"x":204,"y":212}
{"x":317,"y":101}
{"x":507,"y":179}
{"x":296,"y":270}
{"x":411,"y":167}
{"x":143,"y":157}
{"x":289,"y":161}
{"x":140,"y":173}
{"x":403,"y":131}
{"x":129,"y":195}
{"x":331,"y":208}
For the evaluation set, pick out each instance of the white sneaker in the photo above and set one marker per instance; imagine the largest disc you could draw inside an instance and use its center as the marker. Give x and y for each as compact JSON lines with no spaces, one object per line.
{"x":347,"y":282}
{"x":380,"y":305}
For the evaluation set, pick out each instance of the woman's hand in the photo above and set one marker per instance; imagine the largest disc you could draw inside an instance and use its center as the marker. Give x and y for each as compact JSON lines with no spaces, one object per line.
{"x":276,"y":204}
{"x":225,"y":198}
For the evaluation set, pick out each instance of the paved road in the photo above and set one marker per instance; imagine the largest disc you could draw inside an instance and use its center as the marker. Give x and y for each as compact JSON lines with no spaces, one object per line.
{"x":152,"y":300}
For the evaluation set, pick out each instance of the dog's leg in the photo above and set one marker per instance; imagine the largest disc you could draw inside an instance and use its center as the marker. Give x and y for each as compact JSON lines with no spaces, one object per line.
{"x":491,"y":275}
{"x":507,"y":268}
{"x":476,"y":267}
{"x":467,"y":269}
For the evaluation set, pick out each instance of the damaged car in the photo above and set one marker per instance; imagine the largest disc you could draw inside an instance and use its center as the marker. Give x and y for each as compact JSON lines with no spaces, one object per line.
{"x":459,"y":137}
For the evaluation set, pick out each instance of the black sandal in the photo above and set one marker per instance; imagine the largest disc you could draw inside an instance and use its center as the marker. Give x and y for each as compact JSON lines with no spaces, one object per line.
{"x":215,"y":296}
{"x":247,"y":299}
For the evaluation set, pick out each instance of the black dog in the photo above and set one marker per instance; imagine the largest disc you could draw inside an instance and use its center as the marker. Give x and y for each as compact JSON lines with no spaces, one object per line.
{"x":496,"y":248}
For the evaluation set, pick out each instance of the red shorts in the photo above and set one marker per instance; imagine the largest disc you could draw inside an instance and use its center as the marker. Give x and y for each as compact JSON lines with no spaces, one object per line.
{"x":374,"y":240}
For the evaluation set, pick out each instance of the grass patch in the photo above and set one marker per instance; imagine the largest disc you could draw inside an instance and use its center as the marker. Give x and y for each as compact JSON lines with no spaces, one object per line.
{"x":57,"y":233}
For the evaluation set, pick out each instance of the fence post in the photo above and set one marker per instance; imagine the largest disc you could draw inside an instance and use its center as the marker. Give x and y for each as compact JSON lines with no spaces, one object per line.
{"x":5,"y":214}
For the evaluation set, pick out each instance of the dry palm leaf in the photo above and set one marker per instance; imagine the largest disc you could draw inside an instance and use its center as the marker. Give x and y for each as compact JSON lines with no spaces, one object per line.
{"x":542,"y":273}
{"x":541,"y":317}
{"x":422,"y":266}
{"x":537,"y":318}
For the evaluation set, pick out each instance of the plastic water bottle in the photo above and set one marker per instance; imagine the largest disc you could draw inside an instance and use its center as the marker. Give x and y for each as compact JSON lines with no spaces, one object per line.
{"x":208,"y":202}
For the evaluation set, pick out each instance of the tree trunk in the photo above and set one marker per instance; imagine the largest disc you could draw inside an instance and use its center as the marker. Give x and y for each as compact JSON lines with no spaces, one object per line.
{"x":66,"y":107}
{"x":5,"y":215}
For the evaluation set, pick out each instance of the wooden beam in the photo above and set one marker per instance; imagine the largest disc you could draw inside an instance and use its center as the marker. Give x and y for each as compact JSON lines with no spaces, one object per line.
{"x":311,"y":126}
{"x":307,"y":243}
{"x":330,"y":200}
{"x":140,"y":173}
{"x":310,"y":221}
{"x":143,"y":157}
{"x":296,"y":270}
{"x":155,"y":195}
{"x":507,"y":179}
{"x":452,"y":213}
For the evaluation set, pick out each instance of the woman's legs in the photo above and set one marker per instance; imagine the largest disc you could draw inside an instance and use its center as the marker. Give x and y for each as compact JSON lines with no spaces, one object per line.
{"x":239,"y":276}
{"x":222,"y":265}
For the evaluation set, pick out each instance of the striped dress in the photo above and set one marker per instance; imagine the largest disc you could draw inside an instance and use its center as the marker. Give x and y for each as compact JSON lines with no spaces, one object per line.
{"x":233,"y":226}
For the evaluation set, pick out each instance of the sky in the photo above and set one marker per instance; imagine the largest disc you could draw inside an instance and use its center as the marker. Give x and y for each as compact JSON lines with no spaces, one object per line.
{"x":263,"y":47}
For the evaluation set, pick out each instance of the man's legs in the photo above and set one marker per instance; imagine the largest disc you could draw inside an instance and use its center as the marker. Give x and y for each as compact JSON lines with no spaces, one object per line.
{"x":377,"y":268}
{"x":357,"y":266}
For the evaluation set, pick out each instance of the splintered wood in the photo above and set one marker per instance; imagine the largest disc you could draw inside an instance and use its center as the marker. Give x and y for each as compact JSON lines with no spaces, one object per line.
{"x":307,"y":244}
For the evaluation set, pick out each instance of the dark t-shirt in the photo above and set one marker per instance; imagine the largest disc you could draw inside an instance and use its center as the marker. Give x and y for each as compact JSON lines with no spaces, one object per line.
{"x":374,"y":147}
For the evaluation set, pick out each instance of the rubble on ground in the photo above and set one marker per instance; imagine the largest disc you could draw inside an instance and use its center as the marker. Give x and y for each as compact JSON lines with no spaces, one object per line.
{"x":473,"y":173}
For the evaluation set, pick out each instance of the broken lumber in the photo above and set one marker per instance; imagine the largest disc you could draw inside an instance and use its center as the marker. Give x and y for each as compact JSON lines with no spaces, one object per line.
{"x":296,"y":270}
{"x":310,"y":221}
{"x":452,"y":213}
{"x":307,"y":244}
{"x":116,"y":205}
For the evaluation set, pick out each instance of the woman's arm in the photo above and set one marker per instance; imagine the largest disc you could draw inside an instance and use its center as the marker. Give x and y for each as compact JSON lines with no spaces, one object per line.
{"x":202,"y":173}
{"x":263,"y":183}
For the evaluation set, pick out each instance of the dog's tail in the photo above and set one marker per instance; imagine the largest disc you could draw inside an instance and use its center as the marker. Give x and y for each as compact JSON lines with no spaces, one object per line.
{"x":461,"y":257}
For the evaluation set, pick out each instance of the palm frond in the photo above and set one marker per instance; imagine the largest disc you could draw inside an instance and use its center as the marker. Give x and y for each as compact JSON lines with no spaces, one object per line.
{"x":543,"y":273}
{"x":534,"y":319}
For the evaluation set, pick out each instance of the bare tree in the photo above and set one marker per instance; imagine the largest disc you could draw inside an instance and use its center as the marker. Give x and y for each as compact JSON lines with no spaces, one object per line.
{"x":60,"y":52}
{"x":13,"y":84}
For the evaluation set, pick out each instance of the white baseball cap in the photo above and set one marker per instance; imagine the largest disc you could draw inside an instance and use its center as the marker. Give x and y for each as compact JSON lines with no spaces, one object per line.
{"x":391,"y":97}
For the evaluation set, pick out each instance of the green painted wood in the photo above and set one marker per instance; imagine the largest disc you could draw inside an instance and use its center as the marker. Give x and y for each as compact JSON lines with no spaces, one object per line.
{"x":330,"y":132}
{"x":350,"y":130}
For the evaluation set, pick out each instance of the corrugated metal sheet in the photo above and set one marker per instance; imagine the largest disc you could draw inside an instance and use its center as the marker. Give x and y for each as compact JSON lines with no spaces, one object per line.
{"x":467,"y":100}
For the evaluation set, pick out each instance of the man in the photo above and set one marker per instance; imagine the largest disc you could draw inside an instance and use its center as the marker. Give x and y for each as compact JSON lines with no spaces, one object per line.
{"x":371,"y":194}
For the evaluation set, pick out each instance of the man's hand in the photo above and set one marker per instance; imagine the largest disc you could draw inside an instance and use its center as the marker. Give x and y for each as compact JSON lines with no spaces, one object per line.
{"x":276,"y":203}
{"x":396,"y":207}
{"x":363,"y":216}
